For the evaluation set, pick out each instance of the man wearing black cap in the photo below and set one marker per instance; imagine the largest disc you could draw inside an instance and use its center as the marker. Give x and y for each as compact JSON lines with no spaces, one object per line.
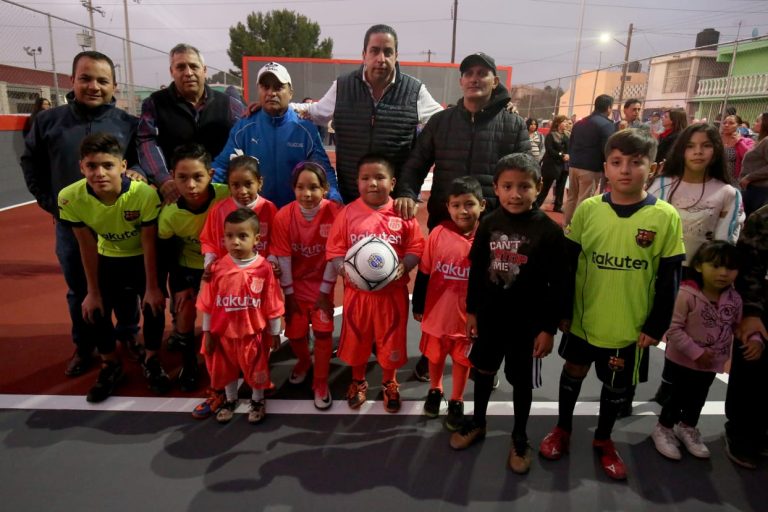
{"x":466,"y":140}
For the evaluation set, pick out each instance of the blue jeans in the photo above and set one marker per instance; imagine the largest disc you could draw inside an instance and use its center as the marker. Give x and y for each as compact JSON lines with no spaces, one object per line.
{"x":83,"y":334}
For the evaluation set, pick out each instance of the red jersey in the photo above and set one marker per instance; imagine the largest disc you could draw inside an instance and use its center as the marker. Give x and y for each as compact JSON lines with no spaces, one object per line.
{"x":304,"y":241}
{"x":240,"y":300}
{"x":446,"y":262}
{"x":212,"y":236}
{"x":358,"y":220}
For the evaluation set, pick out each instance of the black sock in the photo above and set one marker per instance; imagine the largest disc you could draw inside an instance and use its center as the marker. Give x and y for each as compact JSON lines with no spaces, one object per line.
{"x":522,"y":397}
{"x":187,"y":346}
{"x":483,"y":390}
{"x":611,"y":401}
{"x":570,"y":387}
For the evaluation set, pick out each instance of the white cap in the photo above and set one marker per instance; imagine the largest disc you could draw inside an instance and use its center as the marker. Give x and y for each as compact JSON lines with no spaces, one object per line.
{"x":276,"y":69}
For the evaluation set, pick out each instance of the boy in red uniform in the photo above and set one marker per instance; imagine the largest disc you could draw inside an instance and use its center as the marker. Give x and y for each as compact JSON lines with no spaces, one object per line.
{"x":242,"y":297}
{"x":440,"y":297}
{"x":379,"y":316}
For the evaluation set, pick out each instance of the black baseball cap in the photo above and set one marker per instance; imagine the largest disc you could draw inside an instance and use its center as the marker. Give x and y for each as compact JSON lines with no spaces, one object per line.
{"x":478,"y":58}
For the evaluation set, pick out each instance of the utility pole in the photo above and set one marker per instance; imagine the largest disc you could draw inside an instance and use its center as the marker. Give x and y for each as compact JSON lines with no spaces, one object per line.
{"x":53,"y":63}
{"x":572,"y":95}
{"x":89,"y":6}
{"x":625,"y":66}
{"x":129,"y":63}
{"x":730,"y":72}
{"x":455,"y":17}
{"x":429,"y":54}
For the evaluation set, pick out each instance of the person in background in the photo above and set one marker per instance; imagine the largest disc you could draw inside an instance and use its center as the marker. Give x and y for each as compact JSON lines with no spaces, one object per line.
{"x":754,"y":169}
{"x":537,"y":139}
{"x":674,"y":121}
{"x":736,"y":145}
{"x":632,"y":109}
{"x":553,"y":165}
{"x":40,"y":105}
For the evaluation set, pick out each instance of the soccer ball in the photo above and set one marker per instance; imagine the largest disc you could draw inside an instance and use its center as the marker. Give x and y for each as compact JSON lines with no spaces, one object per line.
{"x":371,"y":263}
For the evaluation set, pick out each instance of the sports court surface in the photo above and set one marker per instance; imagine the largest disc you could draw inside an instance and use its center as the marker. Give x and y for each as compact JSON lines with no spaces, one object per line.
{"x":137,"y":452}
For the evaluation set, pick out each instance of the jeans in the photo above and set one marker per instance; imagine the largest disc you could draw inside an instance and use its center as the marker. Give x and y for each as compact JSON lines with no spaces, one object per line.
{"x":83,"y":334}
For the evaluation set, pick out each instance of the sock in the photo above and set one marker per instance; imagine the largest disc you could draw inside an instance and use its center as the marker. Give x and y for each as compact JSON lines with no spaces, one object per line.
{"x":611,"y":401}
{"x":460,"y":377}
{"x":257,"y":395}
{"x":522,"y":397}
{"x":388,"y":375}
{"x":300,"y":349}
{"x":483,"y":390}
{"x":230,"y":390}
{"x":323,"y":351}
{"x":570,"y":387}
{"x":188,"y":352}
{"x":436,"y":375}
{"x":358,"y":372}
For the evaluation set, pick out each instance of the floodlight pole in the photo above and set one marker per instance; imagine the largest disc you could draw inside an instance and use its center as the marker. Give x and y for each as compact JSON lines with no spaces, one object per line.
{"x":455,"y":17}
{"x":626,"y":64}
{"x":572,"y":95}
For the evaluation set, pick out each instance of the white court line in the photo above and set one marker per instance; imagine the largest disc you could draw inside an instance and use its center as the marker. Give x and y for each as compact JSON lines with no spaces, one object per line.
{"x":16,"y":206}
{"x":306,"y":407}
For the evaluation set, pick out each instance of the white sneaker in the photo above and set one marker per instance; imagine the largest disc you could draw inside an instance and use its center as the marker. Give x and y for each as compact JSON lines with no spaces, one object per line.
{"x":297,"y":378}
{"x":691,"y":438}
{"x":665,"y":442}
{"x":323,"y":399}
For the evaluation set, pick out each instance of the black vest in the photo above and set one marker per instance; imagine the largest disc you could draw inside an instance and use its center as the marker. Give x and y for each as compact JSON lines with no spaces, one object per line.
{"x":176,"y":123}
{"x":388,"y":128}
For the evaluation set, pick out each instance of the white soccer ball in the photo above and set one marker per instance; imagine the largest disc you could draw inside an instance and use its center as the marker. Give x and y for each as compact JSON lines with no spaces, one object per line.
{"x":371,"y":263}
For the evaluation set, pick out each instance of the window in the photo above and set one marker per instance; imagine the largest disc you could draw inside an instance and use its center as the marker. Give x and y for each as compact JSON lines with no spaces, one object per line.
{"x":678,"y":74}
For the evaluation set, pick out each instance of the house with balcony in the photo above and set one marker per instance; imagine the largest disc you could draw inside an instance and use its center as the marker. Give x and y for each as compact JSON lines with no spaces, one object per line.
{"x":746,"y":88}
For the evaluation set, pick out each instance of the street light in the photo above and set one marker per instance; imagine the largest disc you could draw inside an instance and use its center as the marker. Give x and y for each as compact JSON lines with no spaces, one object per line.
{"x":604,"y":38}
{"x":33,"y":52}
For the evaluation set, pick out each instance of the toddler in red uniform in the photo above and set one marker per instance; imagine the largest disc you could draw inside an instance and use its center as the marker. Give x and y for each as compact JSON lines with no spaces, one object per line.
{"x":299,"y":235}
{"x":440,"y":297}
{"x":245,"y":182}
{"x":379,"y":316}
{"x":241,"y":306}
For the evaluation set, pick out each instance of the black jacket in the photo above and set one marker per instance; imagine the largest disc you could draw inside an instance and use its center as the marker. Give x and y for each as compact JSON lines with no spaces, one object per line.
{"x":459,"y":143}
{"x":587,"y":142}
{"x":552,"y":165}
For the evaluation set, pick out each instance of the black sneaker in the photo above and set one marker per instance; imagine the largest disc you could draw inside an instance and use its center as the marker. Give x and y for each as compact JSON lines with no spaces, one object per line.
{"x":740,"y":459}
{"x":455,"y":418}
{"x":111,"y":373}
{"x":421,"y":370}
{"x":174,"y":342}
{"x":156,"y":377}
{"x":189,"y":377}
{"x":79,"y":364}
{"x":432,"y":403}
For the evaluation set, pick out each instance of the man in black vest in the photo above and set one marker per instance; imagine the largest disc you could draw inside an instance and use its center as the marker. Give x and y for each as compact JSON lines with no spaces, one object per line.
{"x":376,"y":108}
{"x":184,"y":112}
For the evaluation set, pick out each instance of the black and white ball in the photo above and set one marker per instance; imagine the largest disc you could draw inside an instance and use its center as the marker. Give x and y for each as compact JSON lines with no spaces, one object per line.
{"x":371,"y":263}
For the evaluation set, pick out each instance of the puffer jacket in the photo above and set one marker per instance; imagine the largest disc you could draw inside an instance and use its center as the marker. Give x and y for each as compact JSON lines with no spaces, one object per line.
{"x":460,"y":143}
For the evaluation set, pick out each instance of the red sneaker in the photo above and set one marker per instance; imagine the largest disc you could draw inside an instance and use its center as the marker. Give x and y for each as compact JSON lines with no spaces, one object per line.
{"x":610,"y":459}
{"x":555,"y":444}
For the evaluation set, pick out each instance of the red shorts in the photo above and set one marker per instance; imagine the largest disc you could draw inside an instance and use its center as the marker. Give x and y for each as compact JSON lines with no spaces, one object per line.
{"x":249,"y":355}
{"x":436,"y":349}
{"x":297,"y":326}
{"x":375,"y":317}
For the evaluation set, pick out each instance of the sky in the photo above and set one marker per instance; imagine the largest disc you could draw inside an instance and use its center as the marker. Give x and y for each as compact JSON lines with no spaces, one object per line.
{"x":536,"y":37}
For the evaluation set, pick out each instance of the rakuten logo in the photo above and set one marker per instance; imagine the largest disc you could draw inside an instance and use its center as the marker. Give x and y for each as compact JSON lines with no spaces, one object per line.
{"x":235,"y":303}
{"x":607,"y":261}
{"x":452,"y":271}
{"x":308,"y":251}
{"x":392,"y":239}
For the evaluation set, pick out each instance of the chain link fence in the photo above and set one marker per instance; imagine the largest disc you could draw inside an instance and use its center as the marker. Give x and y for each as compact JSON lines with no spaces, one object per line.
{"x":36,"y":60}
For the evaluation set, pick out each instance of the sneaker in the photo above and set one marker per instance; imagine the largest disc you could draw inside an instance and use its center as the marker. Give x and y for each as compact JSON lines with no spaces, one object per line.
{"x":469,"y":434}
{"x":455,"y":417}
{"x":189,"y":377}
{"x":421,"y":370}
{"x":665,"y":442}
{"x":323,"y":398}
{"x":610,"y":460}
{"x":297,"y":378}
{"x":743,"y":460}
{"x":357,"y":393}
{"x":79,"y":364}
{"x":555,"y":444}
{"x":174,"y":342}
{"x":257,"y":411}
{"x":520,"y":457}
{"x":110,"y":374}
{"x":211,"y":405}
{"x":432,"y":403}
{"x":226,"y":411}
{"x":691,"y":439}
{"x":156,"y":377}
{"x":391,"y":396}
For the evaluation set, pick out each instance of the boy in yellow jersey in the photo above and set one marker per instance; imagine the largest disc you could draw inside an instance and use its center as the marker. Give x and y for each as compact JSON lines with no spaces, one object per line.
{"x":627,"y":251}
{"x":115,"y":222}
{"x":179,"y":228}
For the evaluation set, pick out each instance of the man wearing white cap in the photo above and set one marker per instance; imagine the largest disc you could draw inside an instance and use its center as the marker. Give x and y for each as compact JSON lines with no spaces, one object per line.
{"x":277,"y":137}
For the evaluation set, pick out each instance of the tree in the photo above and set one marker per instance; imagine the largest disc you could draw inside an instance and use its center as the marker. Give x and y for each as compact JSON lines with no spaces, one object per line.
{"x":278,"y":33}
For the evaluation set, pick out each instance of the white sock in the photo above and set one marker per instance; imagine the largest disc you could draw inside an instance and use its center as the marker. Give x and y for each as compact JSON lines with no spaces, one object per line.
{"x":257,"y":395}
{"x":231,"y":391}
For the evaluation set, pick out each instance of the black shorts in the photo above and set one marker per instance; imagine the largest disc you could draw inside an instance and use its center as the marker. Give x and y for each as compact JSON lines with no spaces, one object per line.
{"x":512,"y":346}
{"x":616,"y":368}
{"x":184,"y":278}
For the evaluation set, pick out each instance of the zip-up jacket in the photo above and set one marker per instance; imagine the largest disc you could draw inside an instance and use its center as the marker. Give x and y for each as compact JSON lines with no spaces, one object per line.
{"x":51,"y":159}
{"x":279,"y":143}
{"x":460,"y":143}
